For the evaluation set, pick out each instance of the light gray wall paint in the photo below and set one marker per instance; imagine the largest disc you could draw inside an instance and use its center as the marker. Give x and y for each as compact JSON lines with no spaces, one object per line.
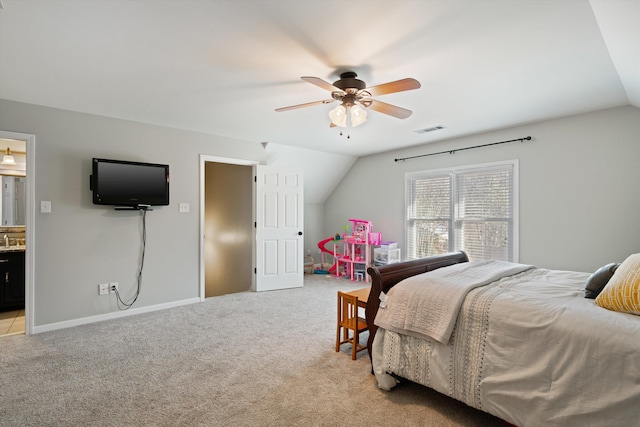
{"x":313,"y":226}
{"x":579,"y":178}
{"x":80,"y":245}
{"x":322,"y":171}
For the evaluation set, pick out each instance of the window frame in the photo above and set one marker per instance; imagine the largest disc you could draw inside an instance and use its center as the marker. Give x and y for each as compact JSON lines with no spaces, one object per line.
{"x":453,"y":172}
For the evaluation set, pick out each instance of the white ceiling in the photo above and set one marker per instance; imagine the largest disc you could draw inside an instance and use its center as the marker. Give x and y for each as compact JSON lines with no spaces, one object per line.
{"x":222,"y":67}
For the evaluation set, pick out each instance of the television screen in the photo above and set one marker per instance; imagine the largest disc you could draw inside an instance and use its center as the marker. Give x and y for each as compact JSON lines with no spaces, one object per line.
{"x":134,"y":184}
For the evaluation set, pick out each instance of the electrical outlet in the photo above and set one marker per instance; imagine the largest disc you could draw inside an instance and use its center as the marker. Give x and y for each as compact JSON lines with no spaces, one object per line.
{"x":113,"y":287}
{"x":103,"y":289}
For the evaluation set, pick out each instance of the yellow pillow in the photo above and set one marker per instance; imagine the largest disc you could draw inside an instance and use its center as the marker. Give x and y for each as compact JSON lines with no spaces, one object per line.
{"x":622,"y":293}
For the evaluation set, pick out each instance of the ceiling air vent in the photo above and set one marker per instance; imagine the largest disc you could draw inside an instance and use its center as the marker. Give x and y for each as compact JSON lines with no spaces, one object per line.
{"x":431,"y":129}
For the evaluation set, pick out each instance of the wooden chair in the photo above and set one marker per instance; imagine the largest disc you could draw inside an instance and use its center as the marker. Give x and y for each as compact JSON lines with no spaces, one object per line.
{"x":349,"y":320}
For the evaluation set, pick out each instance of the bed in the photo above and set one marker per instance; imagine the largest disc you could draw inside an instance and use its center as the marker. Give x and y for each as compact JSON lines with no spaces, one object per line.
{"x":524,"y":344}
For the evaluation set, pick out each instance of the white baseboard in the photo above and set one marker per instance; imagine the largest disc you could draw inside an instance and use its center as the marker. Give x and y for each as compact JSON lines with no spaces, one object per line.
{"x":113,"y":315}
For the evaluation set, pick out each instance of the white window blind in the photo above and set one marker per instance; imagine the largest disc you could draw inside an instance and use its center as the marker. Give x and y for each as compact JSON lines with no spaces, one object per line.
{"x":470,"y":209}
{"x":428,"y":215}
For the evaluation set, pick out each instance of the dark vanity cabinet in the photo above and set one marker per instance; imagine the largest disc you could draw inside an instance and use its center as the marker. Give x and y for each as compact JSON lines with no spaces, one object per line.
{"x":11,"y":280}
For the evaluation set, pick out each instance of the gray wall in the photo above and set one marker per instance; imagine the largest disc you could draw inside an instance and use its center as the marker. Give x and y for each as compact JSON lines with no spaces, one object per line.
{"x":80,"y":245}
{"x":313,"y":226}
{"x":578,"y":199}
{"x":579,"y":178}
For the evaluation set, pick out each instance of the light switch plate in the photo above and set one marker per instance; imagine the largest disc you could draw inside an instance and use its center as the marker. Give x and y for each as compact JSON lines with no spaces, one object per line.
{"x":45,"y":206}
{"x":184,"y":207}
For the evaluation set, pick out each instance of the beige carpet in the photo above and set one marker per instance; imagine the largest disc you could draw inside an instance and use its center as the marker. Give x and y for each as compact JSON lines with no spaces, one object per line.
{"x":248,"y":359}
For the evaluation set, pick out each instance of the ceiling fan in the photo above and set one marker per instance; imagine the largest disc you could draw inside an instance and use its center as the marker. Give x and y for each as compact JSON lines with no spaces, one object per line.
{"x":354,"y":97}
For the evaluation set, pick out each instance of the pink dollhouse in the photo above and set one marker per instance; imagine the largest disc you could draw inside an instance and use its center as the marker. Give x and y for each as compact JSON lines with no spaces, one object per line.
{"x":353,"y":251}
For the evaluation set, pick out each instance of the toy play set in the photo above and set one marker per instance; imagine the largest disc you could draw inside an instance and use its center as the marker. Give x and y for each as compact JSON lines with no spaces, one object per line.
{"x":351,"y":250}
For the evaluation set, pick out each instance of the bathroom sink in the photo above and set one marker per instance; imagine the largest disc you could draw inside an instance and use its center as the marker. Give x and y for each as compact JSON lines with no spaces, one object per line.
{"x":14,"y":248}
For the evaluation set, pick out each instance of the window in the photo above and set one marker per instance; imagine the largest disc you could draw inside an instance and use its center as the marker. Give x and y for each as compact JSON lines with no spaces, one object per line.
{"x":472,"y":209}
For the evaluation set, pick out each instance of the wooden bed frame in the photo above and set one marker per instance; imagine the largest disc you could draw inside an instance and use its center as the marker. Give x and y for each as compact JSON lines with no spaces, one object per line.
{"x":385,"y":277}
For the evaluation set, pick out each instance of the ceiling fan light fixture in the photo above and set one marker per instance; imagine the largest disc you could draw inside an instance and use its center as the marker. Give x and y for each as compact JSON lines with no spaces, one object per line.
{"x":355,"y":97}
{"x":338,"y":116}
{"x":358,"y":115}
{"x":343,"y":116}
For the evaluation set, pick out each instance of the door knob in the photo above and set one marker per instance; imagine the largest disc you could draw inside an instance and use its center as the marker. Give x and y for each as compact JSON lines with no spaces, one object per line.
{"x":299,"y":233}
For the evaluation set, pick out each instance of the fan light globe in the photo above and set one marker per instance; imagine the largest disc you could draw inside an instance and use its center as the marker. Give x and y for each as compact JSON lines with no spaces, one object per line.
{"x":8,"y":159}
{"x":338,"y":116}
{"x":358,"y":115}
{"x":353,"y":115}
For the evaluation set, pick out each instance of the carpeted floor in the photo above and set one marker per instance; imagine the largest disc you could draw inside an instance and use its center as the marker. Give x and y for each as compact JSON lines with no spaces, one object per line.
{"x":247,"y":359}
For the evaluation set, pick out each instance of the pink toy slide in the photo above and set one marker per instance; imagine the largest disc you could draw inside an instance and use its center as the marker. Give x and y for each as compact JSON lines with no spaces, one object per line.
{"x":324,"y":250}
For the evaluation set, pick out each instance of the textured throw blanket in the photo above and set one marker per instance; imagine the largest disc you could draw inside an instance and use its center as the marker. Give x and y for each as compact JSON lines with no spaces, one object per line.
{"x":427,"y":305}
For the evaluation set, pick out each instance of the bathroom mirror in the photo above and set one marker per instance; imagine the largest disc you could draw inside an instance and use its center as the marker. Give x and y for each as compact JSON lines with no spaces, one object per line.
{"x":13,"y":200}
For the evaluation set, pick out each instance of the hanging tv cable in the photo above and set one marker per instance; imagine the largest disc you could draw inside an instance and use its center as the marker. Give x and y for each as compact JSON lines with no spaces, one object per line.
{"x":126,"y":305}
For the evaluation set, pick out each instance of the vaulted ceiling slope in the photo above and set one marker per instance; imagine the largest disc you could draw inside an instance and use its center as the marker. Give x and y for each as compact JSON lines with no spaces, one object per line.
{"x":224,"y":66}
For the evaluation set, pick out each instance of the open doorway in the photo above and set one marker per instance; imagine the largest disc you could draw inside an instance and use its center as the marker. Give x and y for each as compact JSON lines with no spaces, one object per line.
{"x":227,"y":226}
{"x":263,"y":251}
{"x":16,"y":232}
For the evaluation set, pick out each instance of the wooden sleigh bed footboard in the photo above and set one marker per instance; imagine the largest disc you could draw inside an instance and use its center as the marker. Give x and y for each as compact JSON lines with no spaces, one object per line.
{"x":385,"y":277}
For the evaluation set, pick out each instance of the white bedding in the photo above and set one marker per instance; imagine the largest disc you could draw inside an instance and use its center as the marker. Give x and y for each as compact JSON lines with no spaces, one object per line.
{"x":531,"y":350}
{"x":427,"y":305}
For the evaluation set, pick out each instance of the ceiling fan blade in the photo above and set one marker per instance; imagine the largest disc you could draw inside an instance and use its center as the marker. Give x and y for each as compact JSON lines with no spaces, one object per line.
{"x":392,"y":87}
{"x":321,"y":83}
{"x":308,"y":104}
{"x":392,"y":110}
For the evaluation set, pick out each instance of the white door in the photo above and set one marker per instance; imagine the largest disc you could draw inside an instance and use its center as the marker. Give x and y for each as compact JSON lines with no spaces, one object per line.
{"x":279,"y":226}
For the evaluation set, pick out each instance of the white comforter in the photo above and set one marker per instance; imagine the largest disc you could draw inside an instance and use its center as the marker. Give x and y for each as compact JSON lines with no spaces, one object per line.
{"x":531,"y":350}
{"x":426,"y":305}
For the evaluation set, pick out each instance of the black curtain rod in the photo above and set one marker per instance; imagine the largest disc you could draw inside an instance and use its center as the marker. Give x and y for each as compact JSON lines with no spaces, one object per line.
{"x":526,"y":138}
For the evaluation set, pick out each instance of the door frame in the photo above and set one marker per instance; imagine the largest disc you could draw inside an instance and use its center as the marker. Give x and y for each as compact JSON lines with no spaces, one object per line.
{"x":205,"y":158}
{"x":29,"y":258}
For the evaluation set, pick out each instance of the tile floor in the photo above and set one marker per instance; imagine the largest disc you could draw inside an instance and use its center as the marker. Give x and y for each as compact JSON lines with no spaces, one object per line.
{"x":12,"y":322}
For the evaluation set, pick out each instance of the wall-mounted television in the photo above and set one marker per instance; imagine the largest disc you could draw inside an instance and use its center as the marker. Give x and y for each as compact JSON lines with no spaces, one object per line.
{"x":129,"y":184}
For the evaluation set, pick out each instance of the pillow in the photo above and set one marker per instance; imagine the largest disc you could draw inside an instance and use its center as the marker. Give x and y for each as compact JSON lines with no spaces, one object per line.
{"x":597,"y":281}
{"x":622,"y":293}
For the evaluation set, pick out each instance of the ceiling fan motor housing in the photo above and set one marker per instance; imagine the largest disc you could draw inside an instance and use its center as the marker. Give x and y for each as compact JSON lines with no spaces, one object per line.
{"x":348,"y":80}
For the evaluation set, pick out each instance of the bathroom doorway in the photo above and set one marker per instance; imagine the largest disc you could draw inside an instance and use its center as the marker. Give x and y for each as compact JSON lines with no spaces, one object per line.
{"x":16,"y":252}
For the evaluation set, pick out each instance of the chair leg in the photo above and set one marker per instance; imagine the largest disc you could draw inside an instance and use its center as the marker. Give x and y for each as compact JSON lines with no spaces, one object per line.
{"x":339,"y":327}
{"x":355,"y":344}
